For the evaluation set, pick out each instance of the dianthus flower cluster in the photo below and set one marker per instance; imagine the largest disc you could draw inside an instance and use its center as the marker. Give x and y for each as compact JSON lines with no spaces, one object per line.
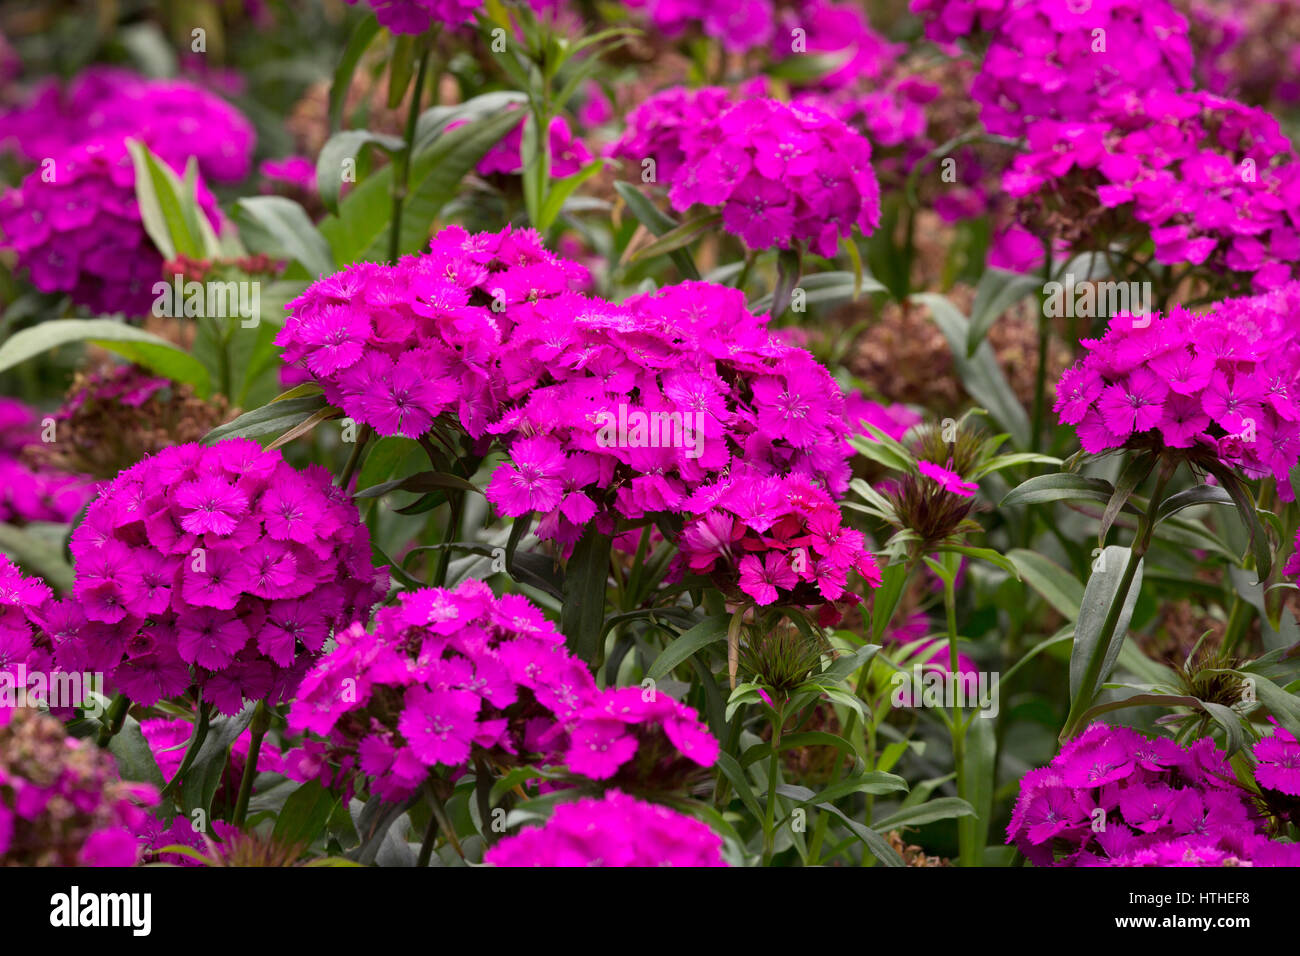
{"x":607,"y":411}
{"x":615,"y":830}
{"x":221,"y":567}
{"x":662,"y":127}
{"x":1223,"y":384}
{"x":1215,"y":182}
{"x":175,"y":118}
{"x":739,"y":25}
{"x":61,"y":801}
{"x":418,"y":16}
{"x":443,"y":676}
{"x":1112,"y":797}
{"x":396,"y":346}
{"x":1048,"y":59}
{"x":781,"y":174}
{"x":1277,"y":764}
{"x":638,"y":738}
{"x":80,"y":232}
{"x":774,"y":538}
{"x":30,"y":493}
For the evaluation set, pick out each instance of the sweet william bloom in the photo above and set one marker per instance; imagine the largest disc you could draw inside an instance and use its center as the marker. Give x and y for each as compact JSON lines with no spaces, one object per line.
{"x":230,"y":534}
{"x":948,"y":480}
{"x":1278,"y":762}
{"x":781,"y":174}
{"x":444,"y":675}
{"x":615,"y":830}
{"x":1219,"y":385}
{"x":1163,"y":805}
{"x":419,"y":16}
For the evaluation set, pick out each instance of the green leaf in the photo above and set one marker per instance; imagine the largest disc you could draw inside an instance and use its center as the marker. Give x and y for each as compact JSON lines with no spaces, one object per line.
{"x":980,"y":373}
{"x":135,"y":759}
{"x":685,"y":646}
{"x":281,"y":228}
{"x":887,"y":597}
{"x":425,"y":481}
{"x":562,"y":189}
{"x":343,"y":147}
{"x":1059,"y":587}
{"x":305,"y":814}
{"x":981,"y":781}
{"x":984,"y":554}
{"x":168,"y":209}
{"x":657,"y":223}
{"x":1065,"y":486}
{"x":998,"y":290}
{"x":871,"y":781}
{"x":1200,"y":495}
{"x":273,"y":419}
{"x":362,"y":35}
{"x":676,"y":238}
{"x":941,"y":808}
{"x":1013,"y":460}
{"x":360,"y":230}
{"x":1102,"y":590}
{"x":42,"y":555}
{"x":874,"y":842}
{"x":1282,"y":705}
{"x":204,"y":776}
{"x":1241,"y":497}
{"x":846,"y":664}
{"x":733,"y":772}
{"x":137,"y":345}
{"x":583,"y":614}
{"x":1135,"y":472}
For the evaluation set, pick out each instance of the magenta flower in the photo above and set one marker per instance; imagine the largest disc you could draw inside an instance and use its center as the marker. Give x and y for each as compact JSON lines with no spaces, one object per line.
{"x":444,"y":674}
{"x":949,"y":481}
{"x":615,"y":830}
{"x":192,"y":554}
{"x":1162,"y":804}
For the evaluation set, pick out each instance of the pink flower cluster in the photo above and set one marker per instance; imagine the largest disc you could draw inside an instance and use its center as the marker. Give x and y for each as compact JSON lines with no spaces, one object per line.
{"x":395,"y":346}
{"x":1161,"y":804}
{"x":27,"y":493}
{"x":739,"y":25}
{"x":1226,"y":383}
{"x":1050,"y":59}
{"x":175,"y":118}
{"x":1277,"y":764}
{"x":483,"y":326}
{"x":61,"y":801}
{"x":781,"y":174}
{"x":639,"y":736}
{"x":220,"y":566}
{"x":81,"y":233}
{"x":419,"y":16}
{"x":775,"y":538}
{"x":447,"y":675}
{"x":662,"y":127}
{"x":615,"y":830}
{"x":1216,"y":183}
{"x":443,"y":673}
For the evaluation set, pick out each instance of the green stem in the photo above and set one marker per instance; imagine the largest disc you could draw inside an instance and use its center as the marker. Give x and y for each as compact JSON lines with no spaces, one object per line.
{"x":114,"y":719}
{"x":191,"y":751}
{"x":823,"y":819}
{"x":769,"y":819}
{"x":257,"y":732}
{"x":958,"y":726}
{"x":1238,"y":622}
{"x":456,"y":504}
{"x":354,"y":459}
{"x":1141,"y":542}
{"x":402,"y":167}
